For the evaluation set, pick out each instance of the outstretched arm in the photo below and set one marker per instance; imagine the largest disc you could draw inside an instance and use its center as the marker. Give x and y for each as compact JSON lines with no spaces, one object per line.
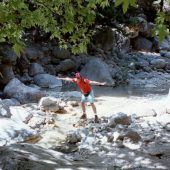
{"x":65,"y":78}
{"x":97,"y":83}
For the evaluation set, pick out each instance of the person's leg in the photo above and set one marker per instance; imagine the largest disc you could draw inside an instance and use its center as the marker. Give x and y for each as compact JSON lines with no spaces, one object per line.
{"x":96,"y":119}
{"x":94,"y":108}
{"x":91,"y":100}
{"x":83,"y":107}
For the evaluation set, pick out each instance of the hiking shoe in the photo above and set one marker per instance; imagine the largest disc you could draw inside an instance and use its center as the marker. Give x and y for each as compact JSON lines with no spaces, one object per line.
{"x":96,"y":119}
{"x":84,"y":116}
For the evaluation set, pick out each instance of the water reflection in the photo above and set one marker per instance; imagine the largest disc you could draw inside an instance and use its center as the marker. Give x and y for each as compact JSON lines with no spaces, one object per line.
{"x":128,"y":91}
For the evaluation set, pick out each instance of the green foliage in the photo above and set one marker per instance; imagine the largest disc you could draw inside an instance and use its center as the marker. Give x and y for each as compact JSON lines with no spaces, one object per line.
{"x":161,"y":29}
{"x":66,"y":20}
{"x":125,"y":4}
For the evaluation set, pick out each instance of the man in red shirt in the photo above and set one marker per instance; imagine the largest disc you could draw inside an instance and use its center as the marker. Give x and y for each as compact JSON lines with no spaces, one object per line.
{"x":87,"y":93}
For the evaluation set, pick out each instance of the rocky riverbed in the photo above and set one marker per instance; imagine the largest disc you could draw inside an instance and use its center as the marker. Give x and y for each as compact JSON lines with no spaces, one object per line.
{"x":40,"y":128}
{"x":133,"y":133}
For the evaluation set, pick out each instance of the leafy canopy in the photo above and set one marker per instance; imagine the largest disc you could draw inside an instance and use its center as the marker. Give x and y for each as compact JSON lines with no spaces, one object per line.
{"x":69,"y":21}
{"x":66,"y":20}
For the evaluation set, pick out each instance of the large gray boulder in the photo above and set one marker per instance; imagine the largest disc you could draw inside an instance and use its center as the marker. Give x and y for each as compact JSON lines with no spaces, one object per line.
{"x":47,"y":81}
{"x":97,"y":70}
{"x":24,"y":94}
{"x":33,"y":157}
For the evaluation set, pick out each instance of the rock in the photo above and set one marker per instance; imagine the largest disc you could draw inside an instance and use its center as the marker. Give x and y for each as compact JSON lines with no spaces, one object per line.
{"x":167,"y":127}
{"x":13,"y":131}
{"x":158,"y":63}
{"x":25,"y":78}
{"x":47,"y":81}
{"x":133,"y":136}
{"x":51,"y":69}
{"x":97,"y":70}
{"x":49,"y":104}
{"x":4,"y":110}
{"x":60,"y":53}
{"x":11,"y":102}
{"x":141,"y":43}
{"x":73,"y":137}
{"x":141,"y":23}
{"x":35,"y":69}
{"x":121,"y":118}
{"x":7,"y":74}
{"x":36,"y":122}
{"x":110,"y":38}
{"x":24,"y":94}
{"x":66,"y":65}
{"x":20,"y":114}
{"x":165,"y":45}
{"x":148,"y":31}
{"x":104,"y":39}
{"x":23,"y":64}
{"x":31,"y":156}
{"x":156,"y":149}
{"x":32,"y":53}
{"x":8,"y":56}
{"x":165,"y":53}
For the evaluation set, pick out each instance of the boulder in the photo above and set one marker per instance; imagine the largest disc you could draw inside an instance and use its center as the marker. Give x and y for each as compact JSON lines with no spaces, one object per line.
{"x":97,"y":70}
{"x":35,"y":69}
{"x":32,"y":53}
{"x":24,"y":94}
{"x":67,"y":64}
{"x":49,"y":104}
{"x":47,"y":81}
{"x":119,"y":118}
{"x":29,"y":156}
{"x":60,"y":53}
{"x":141,"y":43}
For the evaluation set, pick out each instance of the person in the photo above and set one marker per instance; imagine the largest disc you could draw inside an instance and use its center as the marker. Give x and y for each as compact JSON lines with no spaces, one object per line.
{"x":87,"y":93}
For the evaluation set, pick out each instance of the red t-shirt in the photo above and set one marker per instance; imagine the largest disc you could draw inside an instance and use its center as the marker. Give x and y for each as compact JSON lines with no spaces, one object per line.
{"x":83,"y":84}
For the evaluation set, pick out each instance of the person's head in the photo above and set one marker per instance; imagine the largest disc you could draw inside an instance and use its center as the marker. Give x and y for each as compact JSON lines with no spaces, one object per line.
{"x":78,"y":75}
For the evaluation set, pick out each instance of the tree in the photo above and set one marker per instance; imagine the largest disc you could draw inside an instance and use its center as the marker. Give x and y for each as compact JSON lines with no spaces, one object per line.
{"x":66,"y":20}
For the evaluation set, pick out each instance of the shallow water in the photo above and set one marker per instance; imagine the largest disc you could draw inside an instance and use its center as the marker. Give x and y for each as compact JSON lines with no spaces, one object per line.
{"x":123,"y":91}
